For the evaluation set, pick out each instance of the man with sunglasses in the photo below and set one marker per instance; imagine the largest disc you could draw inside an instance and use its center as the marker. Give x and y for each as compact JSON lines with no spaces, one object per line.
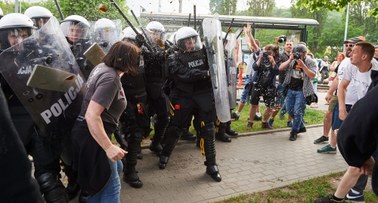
{"x":347,"y":99}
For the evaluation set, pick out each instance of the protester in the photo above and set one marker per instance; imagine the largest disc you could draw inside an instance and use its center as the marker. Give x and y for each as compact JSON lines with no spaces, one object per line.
{"x":97,"y":159}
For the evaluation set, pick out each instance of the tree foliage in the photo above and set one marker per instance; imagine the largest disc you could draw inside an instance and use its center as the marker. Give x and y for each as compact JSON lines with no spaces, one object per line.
{"x":223,"y":7}
{"x":337,"y":5}
{"x":261,"y":7}
{"x":88,"y":8}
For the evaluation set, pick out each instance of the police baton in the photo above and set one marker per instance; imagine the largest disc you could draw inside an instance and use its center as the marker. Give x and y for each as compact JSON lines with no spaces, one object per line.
{"x":141,"y":27}
{"x":228,"y":31}
{"x":59,"y":10}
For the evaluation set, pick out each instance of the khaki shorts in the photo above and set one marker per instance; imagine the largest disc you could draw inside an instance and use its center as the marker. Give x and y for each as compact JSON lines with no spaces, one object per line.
{"x":332,"y":103}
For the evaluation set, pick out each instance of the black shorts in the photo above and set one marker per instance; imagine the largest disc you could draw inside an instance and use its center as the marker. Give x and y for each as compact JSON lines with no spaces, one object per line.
{"x":268,"y":94}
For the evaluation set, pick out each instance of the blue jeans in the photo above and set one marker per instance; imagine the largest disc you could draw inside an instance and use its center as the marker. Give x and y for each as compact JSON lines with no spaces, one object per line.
{"x":246,"y":90}
{"x":112,"y":190}
{"x":295,"y":106}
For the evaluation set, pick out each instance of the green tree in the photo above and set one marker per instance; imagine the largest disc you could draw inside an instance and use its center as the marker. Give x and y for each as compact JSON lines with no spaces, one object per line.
{"x":261,"y":7}
{"x":337,"y":5}
{"x":88,"y":9}
{"x":223,"y":7}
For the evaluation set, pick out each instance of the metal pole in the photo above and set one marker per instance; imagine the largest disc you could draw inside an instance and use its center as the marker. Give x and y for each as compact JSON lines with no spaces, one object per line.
{"x":346,"y":25}
{"x":16,"y":6}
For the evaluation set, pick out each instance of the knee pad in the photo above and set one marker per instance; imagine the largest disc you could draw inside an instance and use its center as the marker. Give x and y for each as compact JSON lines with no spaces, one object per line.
{"x":52,"y":188}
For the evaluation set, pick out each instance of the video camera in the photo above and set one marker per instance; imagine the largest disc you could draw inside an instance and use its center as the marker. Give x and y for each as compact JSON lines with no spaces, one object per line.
{"x":282,"y":39}
{"x":297,"y":55}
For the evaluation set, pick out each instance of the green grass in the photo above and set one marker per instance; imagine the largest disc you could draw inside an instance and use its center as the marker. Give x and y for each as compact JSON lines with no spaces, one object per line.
{"x":306,"y":191}
{"x":312,"y":116}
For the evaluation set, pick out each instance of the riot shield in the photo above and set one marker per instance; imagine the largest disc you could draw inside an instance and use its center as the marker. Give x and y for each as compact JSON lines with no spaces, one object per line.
{"x":231,"y":68}
{"x":106,"y":36}
{"x":47,"y":47}
{"x":211,"y":28}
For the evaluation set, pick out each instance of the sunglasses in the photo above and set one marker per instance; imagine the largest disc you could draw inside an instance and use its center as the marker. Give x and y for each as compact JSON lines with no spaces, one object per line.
{"x":349,"y":45}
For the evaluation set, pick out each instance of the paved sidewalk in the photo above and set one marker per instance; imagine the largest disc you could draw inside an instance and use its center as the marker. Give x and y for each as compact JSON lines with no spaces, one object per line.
{"x":247,"y":164}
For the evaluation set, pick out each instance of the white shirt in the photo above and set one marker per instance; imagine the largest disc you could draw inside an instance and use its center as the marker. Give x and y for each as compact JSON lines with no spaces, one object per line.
{"x":347,"y":71}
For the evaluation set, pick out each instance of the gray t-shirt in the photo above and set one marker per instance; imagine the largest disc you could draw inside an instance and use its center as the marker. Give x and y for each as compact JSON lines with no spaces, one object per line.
{"x":105,"y":88}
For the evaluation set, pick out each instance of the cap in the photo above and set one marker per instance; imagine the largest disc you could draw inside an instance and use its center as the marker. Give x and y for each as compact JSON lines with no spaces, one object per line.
{"x":300,"y":48}
{"x":355,"y":39}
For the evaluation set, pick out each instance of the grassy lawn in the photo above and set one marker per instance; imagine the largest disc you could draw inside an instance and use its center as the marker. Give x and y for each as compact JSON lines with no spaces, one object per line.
{"x":312,"y":116}
{"x":305,"y":191}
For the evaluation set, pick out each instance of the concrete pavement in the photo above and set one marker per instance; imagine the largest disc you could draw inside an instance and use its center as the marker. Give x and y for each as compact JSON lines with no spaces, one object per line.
{"x":250,"y":163}
{"x":247,"y":164}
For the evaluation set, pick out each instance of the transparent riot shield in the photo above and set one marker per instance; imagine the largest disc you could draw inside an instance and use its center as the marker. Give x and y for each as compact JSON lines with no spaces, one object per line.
{"x":211,"y":28}
{"x":48,"y":48}
{"x":231,"y":68}
{"x":106,"y":35}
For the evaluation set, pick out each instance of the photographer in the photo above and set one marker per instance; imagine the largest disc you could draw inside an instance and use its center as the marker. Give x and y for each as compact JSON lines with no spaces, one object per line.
{"x":300,"y":70}
{"x":266,"y":70}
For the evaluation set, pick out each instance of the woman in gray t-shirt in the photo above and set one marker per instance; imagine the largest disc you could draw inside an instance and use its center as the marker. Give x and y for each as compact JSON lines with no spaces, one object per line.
{"x":96,"y":158}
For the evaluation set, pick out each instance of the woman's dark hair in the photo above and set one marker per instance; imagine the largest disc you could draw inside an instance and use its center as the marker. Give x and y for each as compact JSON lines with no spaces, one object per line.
{"x":123,"y":56}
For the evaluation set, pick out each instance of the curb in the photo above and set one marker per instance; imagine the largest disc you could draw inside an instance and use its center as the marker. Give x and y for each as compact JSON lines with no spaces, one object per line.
{"x":146,"y":142}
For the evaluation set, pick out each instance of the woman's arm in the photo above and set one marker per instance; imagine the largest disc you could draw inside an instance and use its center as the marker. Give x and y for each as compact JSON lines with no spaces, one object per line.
{"x":97,"y":130}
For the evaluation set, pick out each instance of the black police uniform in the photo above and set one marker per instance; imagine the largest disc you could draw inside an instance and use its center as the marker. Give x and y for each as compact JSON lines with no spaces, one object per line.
{"x":16,"y":184}
{"x":191,"y":92}
{"x":157,"y":101}
{"x":134,"y":122}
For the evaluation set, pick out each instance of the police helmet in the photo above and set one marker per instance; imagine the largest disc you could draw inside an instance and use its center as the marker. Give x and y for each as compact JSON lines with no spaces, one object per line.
{"x":1,"y":13}
{"x":128,"y":33}
{"x":155,"y":26}
{"x":172,"y":38}
{"x":105,"y":30}
{"x":80,"y":27}
{"x":16,"y":24}
{"x":39,"y":15}
{"x":188,"y":40}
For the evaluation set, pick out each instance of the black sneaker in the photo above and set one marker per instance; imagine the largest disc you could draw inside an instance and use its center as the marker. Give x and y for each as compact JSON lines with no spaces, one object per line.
{"x":235,"y":116}
{"x":321,"y":140}
{"x":328,"y":199}
{"x":293,"y":136}
{"x":355,"y":196}
{"x":302,"y":130}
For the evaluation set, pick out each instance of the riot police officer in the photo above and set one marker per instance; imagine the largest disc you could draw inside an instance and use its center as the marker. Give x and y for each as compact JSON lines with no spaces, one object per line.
{"x":191,"y":92}
{"x":14,"y":29}
{"x":105,"y":33}
{"x":154,"y":71}
{"x":39,"y":15}
{"x":134,"y":122}
{"x":76,"y":30}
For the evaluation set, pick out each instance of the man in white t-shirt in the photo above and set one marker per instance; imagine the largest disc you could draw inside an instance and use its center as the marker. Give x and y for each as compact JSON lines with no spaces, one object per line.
{"x":344,"y":73}
{"x":351,"y":141}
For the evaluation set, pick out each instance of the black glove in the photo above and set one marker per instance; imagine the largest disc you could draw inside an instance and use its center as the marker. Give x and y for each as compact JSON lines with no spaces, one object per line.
{"x":140,"y":40}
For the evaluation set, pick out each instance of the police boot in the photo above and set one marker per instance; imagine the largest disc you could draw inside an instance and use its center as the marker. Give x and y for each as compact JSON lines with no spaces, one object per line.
{"x":131,"y":177}
{"x":52,"y":188}
{"x":172,"y":136}
{"x":221,"y":134}
{"x":229,"y":131}
{"x":213,"y":172}
{"x":155,"y":145}
{"x":72,"y":188}
{"x":211,"y":167}
{"x":129,"y":173}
